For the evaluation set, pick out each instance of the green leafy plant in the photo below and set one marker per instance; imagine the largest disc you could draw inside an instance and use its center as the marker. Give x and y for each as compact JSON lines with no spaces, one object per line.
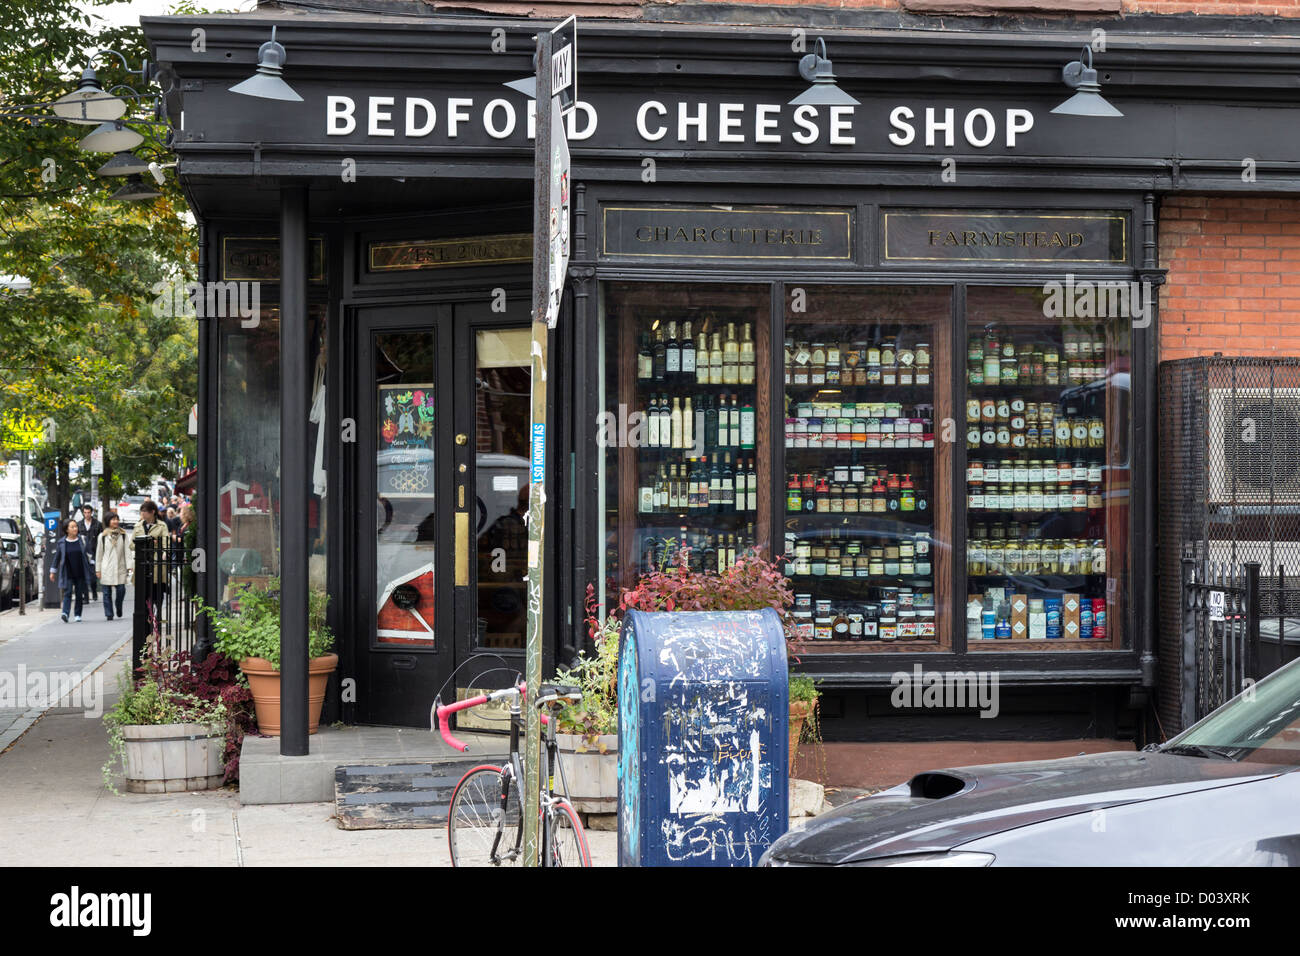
{"x":250,"y":627}
{"x":597,"y":674}
{"x":803,"y":689}
{"x":156,"y":698}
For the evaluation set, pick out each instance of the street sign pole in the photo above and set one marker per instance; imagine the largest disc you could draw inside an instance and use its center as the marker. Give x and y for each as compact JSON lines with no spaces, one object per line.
{"x":532,"y":791}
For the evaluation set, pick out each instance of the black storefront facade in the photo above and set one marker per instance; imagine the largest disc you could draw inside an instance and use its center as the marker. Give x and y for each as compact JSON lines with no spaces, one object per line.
{"x":923,"y":337}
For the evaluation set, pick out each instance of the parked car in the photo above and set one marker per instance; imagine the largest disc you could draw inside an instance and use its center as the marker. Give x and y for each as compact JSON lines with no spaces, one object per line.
{"x":128,"y":509}
{"x":8,"y":577}
{"x":10,"y":528}
{"x":1225,"y":792}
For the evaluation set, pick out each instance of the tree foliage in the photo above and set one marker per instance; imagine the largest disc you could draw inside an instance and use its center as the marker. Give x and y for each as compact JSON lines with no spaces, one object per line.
{"x":84,"y":348}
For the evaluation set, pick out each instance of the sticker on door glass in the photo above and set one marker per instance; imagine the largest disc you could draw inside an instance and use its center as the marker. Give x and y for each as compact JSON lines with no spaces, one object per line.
{"x":404,"y":461}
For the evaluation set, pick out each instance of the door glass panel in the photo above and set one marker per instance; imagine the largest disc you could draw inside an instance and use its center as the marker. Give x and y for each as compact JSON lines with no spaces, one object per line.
{"x":502,"y":410}
{"x":405,"y":513}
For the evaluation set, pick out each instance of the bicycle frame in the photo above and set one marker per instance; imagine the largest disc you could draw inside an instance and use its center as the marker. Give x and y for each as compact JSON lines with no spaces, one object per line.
{"x":514,"y":769}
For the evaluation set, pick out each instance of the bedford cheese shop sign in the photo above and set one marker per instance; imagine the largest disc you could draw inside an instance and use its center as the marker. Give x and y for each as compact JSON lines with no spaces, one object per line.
{"x":617,"y":119}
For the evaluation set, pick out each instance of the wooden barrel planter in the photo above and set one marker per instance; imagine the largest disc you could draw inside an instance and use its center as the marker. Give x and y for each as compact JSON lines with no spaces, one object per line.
{"x":592,"y":775}
{"x":171,"y":758}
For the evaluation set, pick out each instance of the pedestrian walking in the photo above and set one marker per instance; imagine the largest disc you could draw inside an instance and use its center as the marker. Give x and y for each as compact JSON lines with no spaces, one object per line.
{"x":72,"y":568}
{"x":189,"y":535}
{"x":150,"y":528}
{"x":91,"y":530}
{"x":173,"y":522}
{"x":111,"y":564}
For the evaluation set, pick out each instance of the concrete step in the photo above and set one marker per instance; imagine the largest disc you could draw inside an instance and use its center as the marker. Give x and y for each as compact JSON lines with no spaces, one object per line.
{"x":267,"y":777}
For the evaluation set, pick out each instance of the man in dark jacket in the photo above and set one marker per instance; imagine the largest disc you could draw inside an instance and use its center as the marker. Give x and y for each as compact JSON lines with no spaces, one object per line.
{"x":90,"y":530}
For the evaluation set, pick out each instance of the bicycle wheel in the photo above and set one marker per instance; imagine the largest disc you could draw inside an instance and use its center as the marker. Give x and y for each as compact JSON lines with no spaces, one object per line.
{"x":568,"y":840}
{"x":483,"y":828}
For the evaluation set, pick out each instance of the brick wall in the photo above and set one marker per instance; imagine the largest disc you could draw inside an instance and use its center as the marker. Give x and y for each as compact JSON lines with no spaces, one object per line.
{"x":1094,"y":8}
{"x":1234,"y":276}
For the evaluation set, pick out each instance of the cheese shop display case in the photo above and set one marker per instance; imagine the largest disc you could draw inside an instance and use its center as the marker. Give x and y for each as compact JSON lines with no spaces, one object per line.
{"x":1046,"y":412}
{"x":685,"y":431}
{"x":865,"y":380}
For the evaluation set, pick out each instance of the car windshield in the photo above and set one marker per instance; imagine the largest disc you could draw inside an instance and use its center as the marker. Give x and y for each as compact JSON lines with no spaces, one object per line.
{"x":1261,"y":725}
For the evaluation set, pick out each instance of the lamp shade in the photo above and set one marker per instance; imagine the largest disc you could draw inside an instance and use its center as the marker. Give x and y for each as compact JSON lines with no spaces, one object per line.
{"x":123,"y":164}
{"x":135,"y":189}
{"x":111,"y":138}
{"x":267,"y":83}
{"x":88,"y":104}
{"x":824,"y":94}
{"x":825,"y":91}
{"x":1087,"y":101}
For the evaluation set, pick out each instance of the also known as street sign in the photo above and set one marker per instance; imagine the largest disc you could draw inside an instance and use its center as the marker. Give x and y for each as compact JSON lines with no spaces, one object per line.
{"x":564,"y":64}
{"x":97,"y":460}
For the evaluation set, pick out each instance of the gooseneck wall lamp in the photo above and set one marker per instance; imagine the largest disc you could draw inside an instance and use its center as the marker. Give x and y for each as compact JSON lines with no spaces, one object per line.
{"x":267,"y":83}
{"x":825,"y":90}
{"x":1079,"y":75}
{"x":108,"y":112}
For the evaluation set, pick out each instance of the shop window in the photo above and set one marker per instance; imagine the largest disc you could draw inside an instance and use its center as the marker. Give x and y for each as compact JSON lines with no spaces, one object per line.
{"x":866,"y":520}
{"x":1047,"y":471}
{"x":687,"y":460}
{"x":249,"y":506}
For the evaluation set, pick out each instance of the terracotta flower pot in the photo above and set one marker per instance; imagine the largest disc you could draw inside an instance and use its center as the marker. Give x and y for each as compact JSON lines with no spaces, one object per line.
{"x":264,"y":682}
{"x":799,"y":711}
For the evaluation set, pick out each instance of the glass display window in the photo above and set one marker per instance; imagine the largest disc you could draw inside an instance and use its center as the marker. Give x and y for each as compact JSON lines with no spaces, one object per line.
{"x":1047,"y":471}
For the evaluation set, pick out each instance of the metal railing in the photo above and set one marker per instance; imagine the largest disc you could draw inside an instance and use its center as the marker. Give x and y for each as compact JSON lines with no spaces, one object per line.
{"x":1237,"y":628}
{"x":164,"y":599}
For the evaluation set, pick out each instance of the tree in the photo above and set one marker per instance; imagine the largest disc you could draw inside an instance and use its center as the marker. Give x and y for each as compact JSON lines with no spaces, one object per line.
{"x":84,"y":348}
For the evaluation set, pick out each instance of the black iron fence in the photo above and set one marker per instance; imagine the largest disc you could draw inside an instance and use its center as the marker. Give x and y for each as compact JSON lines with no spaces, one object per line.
{"x":165,"y":584}
{"x":1237,"y":627}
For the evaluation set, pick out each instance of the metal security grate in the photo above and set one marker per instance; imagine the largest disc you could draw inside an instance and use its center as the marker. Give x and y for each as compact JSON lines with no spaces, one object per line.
{"x":1229,"y":495}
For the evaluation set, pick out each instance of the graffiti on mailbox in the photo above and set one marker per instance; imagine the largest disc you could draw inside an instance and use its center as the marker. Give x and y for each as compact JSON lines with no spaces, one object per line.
{"x":629,"y":781}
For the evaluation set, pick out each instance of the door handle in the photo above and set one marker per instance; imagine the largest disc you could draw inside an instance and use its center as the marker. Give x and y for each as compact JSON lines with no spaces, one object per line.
{"x":462,"y":548}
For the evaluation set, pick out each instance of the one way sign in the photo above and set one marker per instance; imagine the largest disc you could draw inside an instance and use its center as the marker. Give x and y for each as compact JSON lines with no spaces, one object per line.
{"x":564,"y":64}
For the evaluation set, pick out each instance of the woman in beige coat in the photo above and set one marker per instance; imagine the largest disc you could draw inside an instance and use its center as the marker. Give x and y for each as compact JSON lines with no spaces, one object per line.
{"x":112,"y":563}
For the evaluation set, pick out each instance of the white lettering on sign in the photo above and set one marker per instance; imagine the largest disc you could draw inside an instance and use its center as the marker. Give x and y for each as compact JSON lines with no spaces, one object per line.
{"x":379,"y":115}
{"x":561,"y":69}
{"x":684,"y":122}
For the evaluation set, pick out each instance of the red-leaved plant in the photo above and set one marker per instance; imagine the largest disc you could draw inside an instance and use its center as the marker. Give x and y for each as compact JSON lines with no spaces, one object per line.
{"x":751,"y":584}
{"x":216,"y":678}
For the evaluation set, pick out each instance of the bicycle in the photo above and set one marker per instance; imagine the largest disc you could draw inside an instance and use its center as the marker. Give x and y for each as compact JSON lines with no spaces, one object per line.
{"x":484,"y":823}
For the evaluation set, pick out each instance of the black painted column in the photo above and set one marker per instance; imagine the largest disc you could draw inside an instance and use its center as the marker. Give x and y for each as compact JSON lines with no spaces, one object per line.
{"x":294,"y":459}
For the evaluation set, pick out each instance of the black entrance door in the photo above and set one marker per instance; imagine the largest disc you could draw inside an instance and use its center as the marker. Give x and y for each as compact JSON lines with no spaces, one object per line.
{"x":442,"y":436}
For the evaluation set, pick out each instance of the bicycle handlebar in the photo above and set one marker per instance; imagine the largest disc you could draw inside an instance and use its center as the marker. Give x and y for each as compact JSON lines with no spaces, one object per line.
{"x":443,"y":711}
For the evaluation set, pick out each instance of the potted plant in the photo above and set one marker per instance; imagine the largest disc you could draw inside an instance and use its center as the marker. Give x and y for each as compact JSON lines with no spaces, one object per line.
{"x":588,"y":731}
{"x":251,"y":635}
{"x":803,"y":712}
{"x":165,"y":738}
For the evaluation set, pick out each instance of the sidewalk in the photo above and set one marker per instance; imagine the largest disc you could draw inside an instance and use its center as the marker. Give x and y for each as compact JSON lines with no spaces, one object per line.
{"x":41,"y":643}
{"x":57,"y":812}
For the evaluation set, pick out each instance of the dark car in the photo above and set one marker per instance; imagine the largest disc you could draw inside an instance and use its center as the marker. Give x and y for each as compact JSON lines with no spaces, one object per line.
{"x":1225,"y":792}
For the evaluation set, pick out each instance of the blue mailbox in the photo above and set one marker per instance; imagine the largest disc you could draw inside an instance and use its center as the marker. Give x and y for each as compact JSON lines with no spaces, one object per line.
{"x":703,"y":709}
